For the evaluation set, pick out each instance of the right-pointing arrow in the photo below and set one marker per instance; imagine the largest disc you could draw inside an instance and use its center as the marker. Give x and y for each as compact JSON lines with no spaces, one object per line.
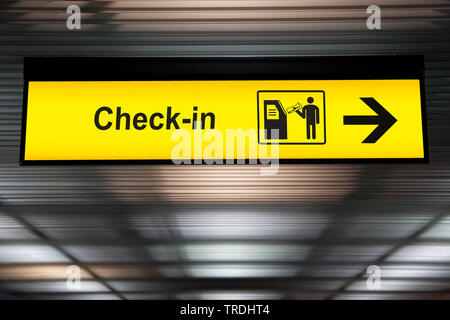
{"x":383,"y":119}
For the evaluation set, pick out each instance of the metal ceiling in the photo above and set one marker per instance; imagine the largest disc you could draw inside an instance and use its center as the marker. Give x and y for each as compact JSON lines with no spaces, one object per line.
{"x":154,"y":232}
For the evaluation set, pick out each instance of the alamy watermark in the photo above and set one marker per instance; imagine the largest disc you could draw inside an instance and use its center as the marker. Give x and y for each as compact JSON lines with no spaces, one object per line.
{"x":73,"y":21}
{"x":373,"y":281}
{"x":73,"y":280}
{"x":239,"y":146}
{"x":374,"y":20}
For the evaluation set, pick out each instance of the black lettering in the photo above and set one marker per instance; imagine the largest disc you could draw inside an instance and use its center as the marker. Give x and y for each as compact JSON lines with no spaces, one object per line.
{"x":137,"y":121}
{"x":194,"y":119}
{"x":212,"y":119}
{"x":152,"y":121}
{"x":140,"y":119}
{"x":97,"y":120}
{"x":172,"y":119}
{"x":119,"y":116}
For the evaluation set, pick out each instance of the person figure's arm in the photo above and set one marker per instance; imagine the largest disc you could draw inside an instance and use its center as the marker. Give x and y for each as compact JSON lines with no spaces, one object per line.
{"x":301,"y":113}
{"x":317,"y":115}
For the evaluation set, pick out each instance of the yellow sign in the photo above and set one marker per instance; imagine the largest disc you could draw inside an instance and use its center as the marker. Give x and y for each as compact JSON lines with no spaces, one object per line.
{"x":152,"y":120}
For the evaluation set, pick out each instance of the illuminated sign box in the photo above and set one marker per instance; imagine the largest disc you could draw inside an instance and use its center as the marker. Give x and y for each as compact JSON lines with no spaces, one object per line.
{"x":194,"y":110}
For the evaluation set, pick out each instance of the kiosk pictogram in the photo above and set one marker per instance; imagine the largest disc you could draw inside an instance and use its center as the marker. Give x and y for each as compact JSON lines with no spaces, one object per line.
{"x":296,"y":117}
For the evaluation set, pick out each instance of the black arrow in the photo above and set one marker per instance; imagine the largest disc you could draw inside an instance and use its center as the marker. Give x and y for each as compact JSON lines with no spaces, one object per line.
{"x":383,"y":119}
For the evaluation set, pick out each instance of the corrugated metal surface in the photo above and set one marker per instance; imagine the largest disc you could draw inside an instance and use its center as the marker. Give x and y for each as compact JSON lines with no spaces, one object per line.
{"x":213,"y":232}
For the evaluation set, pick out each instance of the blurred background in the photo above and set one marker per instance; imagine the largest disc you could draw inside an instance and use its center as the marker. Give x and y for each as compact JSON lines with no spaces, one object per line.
{"x":225,"y":232}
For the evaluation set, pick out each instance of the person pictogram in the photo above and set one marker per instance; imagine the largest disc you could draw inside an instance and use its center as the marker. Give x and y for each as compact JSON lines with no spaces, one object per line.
{"x":311,"y":113}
